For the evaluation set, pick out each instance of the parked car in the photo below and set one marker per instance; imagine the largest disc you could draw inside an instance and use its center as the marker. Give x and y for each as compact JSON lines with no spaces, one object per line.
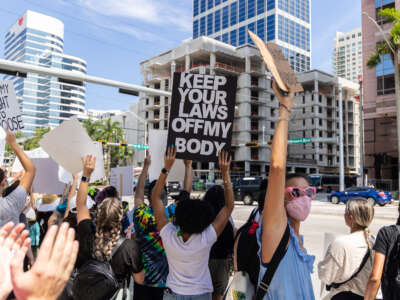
{"x":247,"y":189}
{"x":376,"y":197}
{"x":174,"y":187}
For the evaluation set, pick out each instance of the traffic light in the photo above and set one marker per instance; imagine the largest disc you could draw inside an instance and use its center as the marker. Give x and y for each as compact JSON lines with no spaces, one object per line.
{"x":103,"y":142}
{"x":123,"y":144}
{"x":252,"y":145}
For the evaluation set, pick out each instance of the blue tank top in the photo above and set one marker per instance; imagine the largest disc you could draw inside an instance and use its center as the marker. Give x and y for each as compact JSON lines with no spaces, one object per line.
{"x":292,"y":279}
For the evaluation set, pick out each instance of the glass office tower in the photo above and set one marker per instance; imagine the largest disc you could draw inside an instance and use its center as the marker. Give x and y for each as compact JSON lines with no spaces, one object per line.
{"x":44,"y":100}
{"x":285,"y":22}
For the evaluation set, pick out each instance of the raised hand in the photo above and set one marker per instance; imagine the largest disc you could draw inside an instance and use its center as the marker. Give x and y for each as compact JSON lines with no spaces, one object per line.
{"x":147,"y":160}
{"x":285,"y":101}
{"x":89,"y":164}
{"x":11,"y":240}
{"x":52,"y":269}
{"x":224,"y":162}
{"x":10,"y":137}
{"x":169,"y":158}
{"x":188,"y":163}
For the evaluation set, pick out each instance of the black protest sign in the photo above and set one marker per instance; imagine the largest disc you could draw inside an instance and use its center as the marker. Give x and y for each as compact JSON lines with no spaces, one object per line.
{"x":201,"y":116}
{"x":10,"y":115}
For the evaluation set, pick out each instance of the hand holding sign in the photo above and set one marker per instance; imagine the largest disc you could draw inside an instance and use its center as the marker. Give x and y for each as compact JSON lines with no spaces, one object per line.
{"x":169,"y":158}
{"x":89,"y":164}
{"x":10,"y":137}
{"x":285,"y":101}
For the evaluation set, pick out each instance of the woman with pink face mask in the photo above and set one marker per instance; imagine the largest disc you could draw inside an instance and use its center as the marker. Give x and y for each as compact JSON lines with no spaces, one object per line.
{"x":286,"y":267}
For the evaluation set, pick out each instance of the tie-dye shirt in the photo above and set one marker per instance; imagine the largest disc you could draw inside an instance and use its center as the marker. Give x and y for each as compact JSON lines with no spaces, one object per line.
{"x":148,"y":237}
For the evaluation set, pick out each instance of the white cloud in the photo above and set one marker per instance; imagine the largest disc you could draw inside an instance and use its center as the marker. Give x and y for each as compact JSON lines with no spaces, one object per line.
{"x":157,"y":12}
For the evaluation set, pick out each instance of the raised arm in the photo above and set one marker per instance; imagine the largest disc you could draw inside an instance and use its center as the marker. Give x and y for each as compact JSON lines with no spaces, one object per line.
{"x":139,"y":193}
{"x":188,"y":181}
{"x":29,"y":167}
{"x":71,"y":194}
{"x":224,"y":162}
{"x":274,"y":214}
{"x":88,"y":167}
{"x":156,"y":203}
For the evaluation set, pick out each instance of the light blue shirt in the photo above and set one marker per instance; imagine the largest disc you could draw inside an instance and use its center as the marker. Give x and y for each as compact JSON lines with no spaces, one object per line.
{"x":292,"y":279}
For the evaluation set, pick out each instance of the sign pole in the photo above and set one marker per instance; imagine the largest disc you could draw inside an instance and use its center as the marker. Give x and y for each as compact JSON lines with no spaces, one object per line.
{"x":341,"y":150}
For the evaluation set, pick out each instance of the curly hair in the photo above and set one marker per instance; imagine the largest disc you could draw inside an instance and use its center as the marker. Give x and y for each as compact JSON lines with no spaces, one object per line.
{"x":215,"y":197}
{"x":194,"y":216}
{"x":108,"y":227}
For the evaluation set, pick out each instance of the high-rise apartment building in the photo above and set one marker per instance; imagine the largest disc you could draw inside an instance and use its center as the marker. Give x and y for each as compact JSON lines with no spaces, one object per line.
{"x":347,"y":55}
{"x":285,"y":22}
{"x":257,"y":108}
{"x":45,"y":101}
{"x":379,"y":101}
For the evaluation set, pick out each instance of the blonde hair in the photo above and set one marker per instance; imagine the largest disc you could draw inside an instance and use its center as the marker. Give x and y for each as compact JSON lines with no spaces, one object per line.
{"x":108,"y":227}
{"x":362,"y":212}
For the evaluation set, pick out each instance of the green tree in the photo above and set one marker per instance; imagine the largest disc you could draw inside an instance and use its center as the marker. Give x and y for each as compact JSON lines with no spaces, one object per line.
{"x":33,"y":141}
{"x":390,"y":45}
{"x":93,"y":128}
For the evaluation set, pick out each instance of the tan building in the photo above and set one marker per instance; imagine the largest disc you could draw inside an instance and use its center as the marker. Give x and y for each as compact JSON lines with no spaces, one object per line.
{"x":380,"y":134}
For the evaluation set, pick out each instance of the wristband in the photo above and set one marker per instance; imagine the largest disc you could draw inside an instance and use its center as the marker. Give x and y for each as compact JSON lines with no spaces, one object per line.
{"x":165,"y":171}
{"x":85,"y":179}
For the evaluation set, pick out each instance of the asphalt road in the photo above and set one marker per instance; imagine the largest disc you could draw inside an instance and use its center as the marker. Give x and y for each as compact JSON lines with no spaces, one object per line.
{"x":325,"y":218}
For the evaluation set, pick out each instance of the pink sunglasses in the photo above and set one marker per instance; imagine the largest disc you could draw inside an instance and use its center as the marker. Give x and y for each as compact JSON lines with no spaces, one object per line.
{"x":296,"y":192}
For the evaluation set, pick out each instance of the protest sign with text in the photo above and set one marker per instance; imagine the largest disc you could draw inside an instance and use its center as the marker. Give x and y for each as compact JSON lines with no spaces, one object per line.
{"x":122,"y":179}
{"x":202,"y":114}
{"x":10,"y":115}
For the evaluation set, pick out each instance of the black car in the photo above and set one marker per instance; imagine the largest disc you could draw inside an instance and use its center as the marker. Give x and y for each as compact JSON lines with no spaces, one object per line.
{"x":174,"y":187}
{"x":247,"y":189}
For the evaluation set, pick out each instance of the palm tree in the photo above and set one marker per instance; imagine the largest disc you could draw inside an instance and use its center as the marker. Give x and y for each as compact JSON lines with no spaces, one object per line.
{"x":92,"y":127}
{"x":33,"y":142}
{"x":390,"y":45}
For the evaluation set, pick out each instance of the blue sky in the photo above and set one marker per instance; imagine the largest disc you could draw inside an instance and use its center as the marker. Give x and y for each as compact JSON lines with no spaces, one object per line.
{"x":114,"y":36}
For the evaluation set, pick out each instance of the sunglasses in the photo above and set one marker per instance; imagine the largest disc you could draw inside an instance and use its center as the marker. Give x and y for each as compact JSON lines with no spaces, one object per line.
{"x":296,"y":192}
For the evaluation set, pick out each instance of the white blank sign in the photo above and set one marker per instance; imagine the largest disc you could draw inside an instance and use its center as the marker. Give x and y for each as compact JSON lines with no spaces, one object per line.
{"x":122,"y":179}
{"x":157,"y":149}
{"x":46,"y":177}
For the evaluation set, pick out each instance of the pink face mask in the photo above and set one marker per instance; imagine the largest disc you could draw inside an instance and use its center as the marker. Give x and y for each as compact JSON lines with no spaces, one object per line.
{"x":299,"y":208}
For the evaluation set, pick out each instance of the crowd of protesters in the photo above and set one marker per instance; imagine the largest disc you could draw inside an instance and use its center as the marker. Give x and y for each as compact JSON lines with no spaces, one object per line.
{"x":88,"y":244}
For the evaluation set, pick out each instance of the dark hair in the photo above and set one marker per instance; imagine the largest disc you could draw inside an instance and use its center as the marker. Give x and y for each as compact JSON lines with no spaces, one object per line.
{"x":193,"y":216}
{"x":215,"y":196}
{"x":107,"y":192}
{"x":398,"y":219}
{"x":262,"y":194}
{"x":151,"y":187}
{"x":2,"y":174}
{"x":297,"y":175}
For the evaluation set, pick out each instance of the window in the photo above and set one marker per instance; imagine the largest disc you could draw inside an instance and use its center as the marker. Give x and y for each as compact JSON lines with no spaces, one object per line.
{"x":270,"y":4}
{"x":270,"y":27}
{"x":210,"y":24}
{"x":385,"y":85}
{"x":242,"y":35}
{"x":195,"y":8}
{"x":381,"y":5}
{"x":242,"y":10}
{"x":217,"y":2}
{"x":260,"y":7}
{"x":203,"y":26}
{"x":210,"y":4}
{"x":234,"y":37}
{"x":225,"y":15}
{"x":202,"y":6}
{"x":233,"y":13}
{"x":217,"y":21}
{"x":196,"y":29}
{"x":250,"y":27}
{"x":225,"y":38}
{"x":251,"y":8}
{"x":261,"y":29}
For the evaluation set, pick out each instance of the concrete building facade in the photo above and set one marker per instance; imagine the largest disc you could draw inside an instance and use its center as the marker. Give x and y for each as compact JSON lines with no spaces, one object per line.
{"x":256,"y":111}
{"x":45,"y":101}
{"x":316,"y":115}
{"x":285,"y":22}
{"x":379,"y":104}
{"x":347,"y":55}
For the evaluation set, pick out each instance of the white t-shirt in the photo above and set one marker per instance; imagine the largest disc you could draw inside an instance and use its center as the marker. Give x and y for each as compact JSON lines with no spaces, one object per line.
{"x":12,"y":205}
{"x":188,"y":261}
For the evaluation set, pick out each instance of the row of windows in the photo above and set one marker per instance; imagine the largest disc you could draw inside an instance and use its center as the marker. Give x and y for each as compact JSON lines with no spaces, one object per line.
{"x":298,"y":8}
{"x":247,"y":8}
{"x":298,"y":62}
{"x":293,"y":33}
{"x":353,"y":36}
{"x":385,"y":67}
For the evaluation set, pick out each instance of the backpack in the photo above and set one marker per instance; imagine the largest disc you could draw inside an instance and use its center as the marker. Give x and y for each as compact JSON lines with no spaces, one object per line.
{"x":391,"y":282}
{"x":247,"y":259}
{"x":96,"y":279}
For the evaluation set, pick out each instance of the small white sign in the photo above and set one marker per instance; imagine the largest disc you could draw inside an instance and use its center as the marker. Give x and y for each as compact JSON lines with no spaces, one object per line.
{"x":122,"y":179}
{"x":10,"y":114}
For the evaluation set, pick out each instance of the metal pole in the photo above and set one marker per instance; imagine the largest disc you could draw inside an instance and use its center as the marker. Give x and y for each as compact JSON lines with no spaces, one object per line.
{"x":361,"y":135}
{"x":341,"y":146}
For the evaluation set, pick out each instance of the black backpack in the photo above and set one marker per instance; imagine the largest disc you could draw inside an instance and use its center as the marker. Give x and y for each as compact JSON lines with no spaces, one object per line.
{"x":391,"y":280}
{"x":247,"y":259}
{"x":96,"y":279}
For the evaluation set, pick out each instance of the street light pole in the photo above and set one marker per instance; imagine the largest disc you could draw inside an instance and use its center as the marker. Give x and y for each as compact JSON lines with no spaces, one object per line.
{"x":341,"y":150}
{"x":361,"y":133}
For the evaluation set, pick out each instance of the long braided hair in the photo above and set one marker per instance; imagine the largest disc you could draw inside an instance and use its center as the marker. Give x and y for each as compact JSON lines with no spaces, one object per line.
{"x":108,"y":227}
{"x":362,"y":212}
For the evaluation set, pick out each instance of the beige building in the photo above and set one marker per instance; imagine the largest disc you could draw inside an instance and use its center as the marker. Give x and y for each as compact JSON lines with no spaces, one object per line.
{"x":347,"y":55}
{"x":256,"y":107}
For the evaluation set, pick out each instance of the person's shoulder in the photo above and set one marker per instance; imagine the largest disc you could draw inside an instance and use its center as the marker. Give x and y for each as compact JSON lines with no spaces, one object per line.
{"x":168,"y":229}
{"x":18,"y":191}
{"x":389,"y":230}
{"x":85,"y":226}
{"x":341,"y":242}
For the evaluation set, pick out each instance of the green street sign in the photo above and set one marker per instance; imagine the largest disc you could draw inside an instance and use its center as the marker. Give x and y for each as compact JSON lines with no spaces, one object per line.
{"x":299,"y":141}
{"x":141,"y":146}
